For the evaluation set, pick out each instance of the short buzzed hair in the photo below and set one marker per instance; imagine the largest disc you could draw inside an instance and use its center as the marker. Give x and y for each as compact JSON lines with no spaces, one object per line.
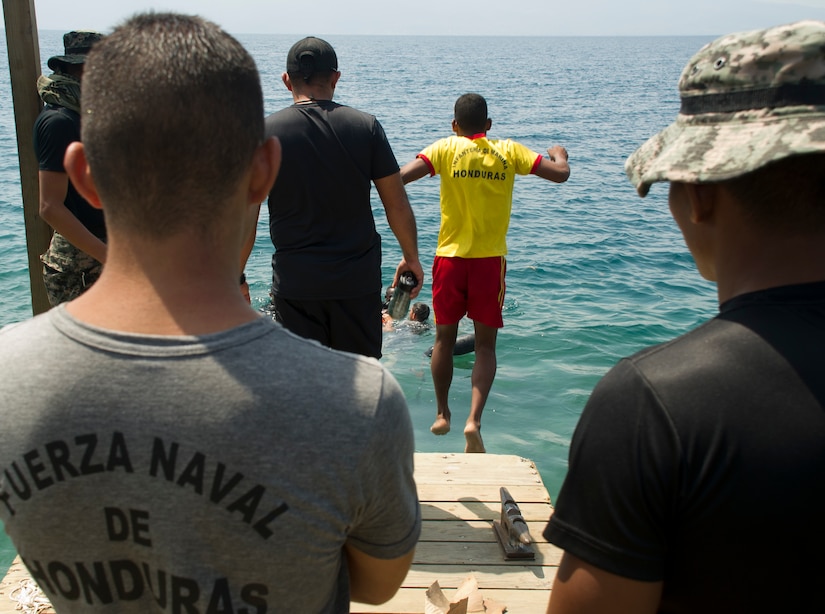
{"x":471,"y":112}
{"x":172,"y":112}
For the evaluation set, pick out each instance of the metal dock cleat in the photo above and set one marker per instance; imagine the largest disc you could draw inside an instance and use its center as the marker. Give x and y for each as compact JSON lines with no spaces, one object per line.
{"x":512,"y":532}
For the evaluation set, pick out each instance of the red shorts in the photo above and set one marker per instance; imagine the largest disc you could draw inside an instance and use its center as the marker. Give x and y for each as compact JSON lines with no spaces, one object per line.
{"x":471,"y":286}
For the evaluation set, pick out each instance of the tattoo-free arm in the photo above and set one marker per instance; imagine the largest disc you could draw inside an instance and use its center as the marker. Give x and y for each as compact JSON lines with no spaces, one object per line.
{"x":401,"y":219}
{"x":53,"y":189}
{"x":413,"y":170}
{"x":581,"y":588}
{"x":247,"y":251}
{"x":373,"y":580}
{"x":555,"y":167}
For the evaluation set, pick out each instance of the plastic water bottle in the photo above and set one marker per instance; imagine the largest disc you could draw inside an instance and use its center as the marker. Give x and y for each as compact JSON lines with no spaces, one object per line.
{"x":400,"y":301}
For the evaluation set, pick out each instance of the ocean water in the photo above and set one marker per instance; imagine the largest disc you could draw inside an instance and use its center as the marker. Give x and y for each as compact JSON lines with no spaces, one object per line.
{"x":594,"y":272}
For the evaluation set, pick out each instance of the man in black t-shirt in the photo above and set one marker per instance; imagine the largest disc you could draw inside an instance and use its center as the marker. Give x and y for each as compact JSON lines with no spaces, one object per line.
{"x":696,"y":471}
{"x":77,"y":249}
{"x":326,"y":282}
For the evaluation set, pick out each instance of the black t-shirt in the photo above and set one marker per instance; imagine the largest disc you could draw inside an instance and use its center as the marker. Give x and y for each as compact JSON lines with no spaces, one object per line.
{"x":54,"y":130}
{"x":320,"y":216}
{"x":701,"y":462}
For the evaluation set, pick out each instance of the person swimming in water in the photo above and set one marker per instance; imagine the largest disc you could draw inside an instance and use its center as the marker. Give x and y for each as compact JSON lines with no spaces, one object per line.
{"x":419,"y":312}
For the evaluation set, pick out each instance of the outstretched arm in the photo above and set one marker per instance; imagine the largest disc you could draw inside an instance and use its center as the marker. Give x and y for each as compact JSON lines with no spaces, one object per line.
{"x":401,"y":219}
{"x":413,"y":170}
{"x":555,"y":167}
{"x":581,"y":588}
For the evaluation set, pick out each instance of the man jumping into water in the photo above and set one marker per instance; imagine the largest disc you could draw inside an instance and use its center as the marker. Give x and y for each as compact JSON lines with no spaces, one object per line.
{"x":477,"y":177}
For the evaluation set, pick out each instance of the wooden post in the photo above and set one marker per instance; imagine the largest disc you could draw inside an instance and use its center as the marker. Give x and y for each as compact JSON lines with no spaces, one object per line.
{"x":24,"y":67}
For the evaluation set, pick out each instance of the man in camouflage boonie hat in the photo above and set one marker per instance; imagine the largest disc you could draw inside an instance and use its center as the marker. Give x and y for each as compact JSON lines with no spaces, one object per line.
{"x":748,"y":99}
{"x":695,"y":457}
{"x":76,"y":45}
{"x":73,"y":261}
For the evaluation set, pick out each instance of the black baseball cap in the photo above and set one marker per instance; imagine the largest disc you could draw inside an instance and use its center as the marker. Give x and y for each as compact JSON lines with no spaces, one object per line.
{"x":311,"y":55}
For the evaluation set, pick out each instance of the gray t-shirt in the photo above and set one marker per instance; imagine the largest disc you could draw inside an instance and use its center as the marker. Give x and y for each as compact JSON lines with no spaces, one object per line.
{"x":220,"y":473}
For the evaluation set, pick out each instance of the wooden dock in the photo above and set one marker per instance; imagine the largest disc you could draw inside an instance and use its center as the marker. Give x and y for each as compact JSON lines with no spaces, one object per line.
{"x":460,"y":498}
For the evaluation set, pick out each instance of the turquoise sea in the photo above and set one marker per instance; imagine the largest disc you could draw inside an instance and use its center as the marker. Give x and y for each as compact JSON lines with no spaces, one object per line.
{"x":594,"y":272}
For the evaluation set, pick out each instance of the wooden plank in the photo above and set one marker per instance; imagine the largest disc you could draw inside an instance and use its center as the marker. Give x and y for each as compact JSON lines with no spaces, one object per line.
{"x":523,"y":493}
{"x":521,"y":577}
{"x":469,"y":530}
{"x":470,"y":461}
{"x":486,"y":469}
{"x":465,"y":554}
{"x":411,"y":601}
{"x":24,"y":68}
{"x":479,"y":510}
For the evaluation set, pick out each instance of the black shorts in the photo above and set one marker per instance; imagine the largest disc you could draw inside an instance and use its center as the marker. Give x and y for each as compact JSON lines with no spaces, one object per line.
{"x":351,"y":325}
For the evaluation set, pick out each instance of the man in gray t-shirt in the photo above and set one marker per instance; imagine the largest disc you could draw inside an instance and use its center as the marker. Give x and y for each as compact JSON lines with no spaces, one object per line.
{"x":164,"y":447}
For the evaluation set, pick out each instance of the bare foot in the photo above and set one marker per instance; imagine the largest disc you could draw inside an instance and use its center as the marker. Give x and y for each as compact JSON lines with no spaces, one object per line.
{"x":475,"y":445}
{"x":441,"y":426}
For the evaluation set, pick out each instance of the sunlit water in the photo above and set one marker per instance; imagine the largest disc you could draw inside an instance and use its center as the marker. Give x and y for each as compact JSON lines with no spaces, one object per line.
{"x":594,"y":272}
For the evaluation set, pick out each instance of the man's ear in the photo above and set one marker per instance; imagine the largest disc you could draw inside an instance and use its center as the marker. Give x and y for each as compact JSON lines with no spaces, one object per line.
{"x":287,"y":81}
{"x":77,"y":168}
{"x":489,"y":124}
{"x":265,"y":165}
{"x":702,"y":198}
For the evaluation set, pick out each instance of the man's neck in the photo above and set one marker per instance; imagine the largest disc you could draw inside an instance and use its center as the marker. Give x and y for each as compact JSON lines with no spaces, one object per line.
{"x":771,"y":263}
{"x":305,"y":100}
{"x":311,"y":94}
{"x":175,"y":289}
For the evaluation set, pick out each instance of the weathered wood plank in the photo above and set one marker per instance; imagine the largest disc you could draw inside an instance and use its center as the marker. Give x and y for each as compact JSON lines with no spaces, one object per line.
{"x":470,"y":530}
{"x":24,"y":67}
{"x":522,"y":493}
{"x":513,"y":576}
{"x":471,"y":509}
{"x":466,"y":554}
{"x":411,"y":601}
{"x":486,"y":469}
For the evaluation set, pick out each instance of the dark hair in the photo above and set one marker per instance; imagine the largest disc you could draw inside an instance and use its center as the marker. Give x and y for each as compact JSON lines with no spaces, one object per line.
{"x":471,"y":113}
{"x":172,"y":114}
{"x":784,"y":196}
{"x":420,"y":312}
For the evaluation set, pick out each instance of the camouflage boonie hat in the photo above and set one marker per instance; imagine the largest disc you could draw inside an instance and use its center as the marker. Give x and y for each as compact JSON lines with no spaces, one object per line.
{"x":76,"y":45}
{"x":748,"y":99}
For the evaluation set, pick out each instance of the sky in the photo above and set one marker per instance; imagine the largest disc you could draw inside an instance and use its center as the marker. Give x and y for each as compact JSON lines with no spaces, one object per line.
{"x":446,"y":17}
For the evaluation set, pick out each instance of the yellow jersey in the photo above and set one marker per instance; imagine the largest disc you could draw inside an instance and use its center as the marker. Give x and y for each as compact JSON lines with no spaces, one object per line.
{"x":477,"y":177}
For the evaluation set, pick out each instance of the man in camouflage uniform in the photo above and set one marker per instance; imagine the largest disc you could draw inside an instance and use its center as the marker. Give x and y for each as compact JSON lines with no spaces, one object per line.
{"x":696,"y":471}
{"x":73,"y":260}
